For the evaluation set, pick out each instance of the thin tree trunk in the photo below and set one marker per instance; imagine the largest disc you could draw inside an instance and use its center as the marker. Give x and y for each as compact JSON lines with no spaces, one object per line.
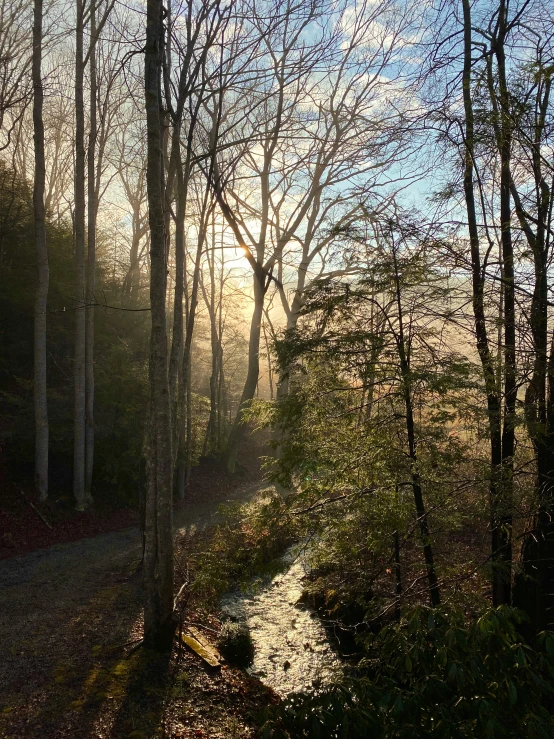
{"x":221,"y":390}
{"x":397,"y":568}
{"x":510,"y":379}
{"x":158,"y":533}
{"x":132,"y":278}
{"x":501,"y":557}
{"x":211,"y":440}
{"x":184,"y":458}
{"x":80,"y":272}
{"x":184,"y":455}
{"x":371,"y":370}
{"x":180,"y":464}
{"x":40,"y":391}
{"x":269,"y":367}
{"x":239,"y":428}
{"x":220,"y":402}
{"x":534,"y":585}
{"x":91,"y":267}
{"x":423,"y":523}
{"x":188,"y":416}
{"x":177,"y":342}
{"x":179,"y":361}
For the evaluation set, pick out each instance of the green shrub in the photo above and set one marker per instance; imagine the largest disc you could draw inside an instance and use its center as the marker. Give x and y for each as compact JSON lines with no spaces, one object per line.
{"x":433,"y":674}
{"x":235,"y":643}
{"x":247,"y":543}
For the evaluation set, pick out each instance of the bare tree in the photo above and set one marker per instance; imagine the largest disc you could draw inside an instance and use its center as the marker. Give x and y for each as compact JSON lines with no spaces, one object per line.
{"x":158,"y":533}
{"x":213,"y":299}
{"x":500,"y":130}
{"x":185,"y":442}
{"x":58,"y":113}
{"x":320,"y":137}
{"x":79,"y":366}
{"x":15,"y":59}
{"x":92,"y":205}
{"x":129,"y":161}
{"x":292,"y":58}
{"x":193,"y":45}
{"x":500,"y":546}
{"x":40,"y":387}
{"x":95,"y":160}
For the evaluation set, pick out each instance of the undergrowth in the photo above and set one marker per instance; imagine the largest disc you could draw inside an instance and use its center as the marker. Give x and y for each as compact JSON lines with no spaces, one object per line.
{"x":247,"y":544}
{"x":435,"y":673}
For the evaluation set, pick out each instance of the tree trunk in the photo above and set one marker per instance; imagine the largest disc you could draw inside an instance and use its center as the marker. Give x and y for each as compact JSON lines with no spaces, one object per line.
{"x":500,"y":554}
{"x":423,"y":523}
{"x":131,"y":283}
{"x":237,"y":432}
{"x":91,"y":267}
{"x":177,"y":343}
{"x":269,"y":366}
{"x":221,"y":389}
{"x":212,"y":438}
{"x":184,"y":457}
{"x":534,"y":586}
{"x":79,"y":376}
{"x":510,"y":379}
{"x":40,"y":393}
{"x":158,"y":534}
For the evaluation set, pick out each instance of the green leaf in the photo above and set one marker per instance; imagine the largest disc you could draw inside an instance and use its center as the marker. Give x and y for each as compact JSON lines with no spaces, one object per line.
{"x":442,"y":657}
{"x":398,"y":705}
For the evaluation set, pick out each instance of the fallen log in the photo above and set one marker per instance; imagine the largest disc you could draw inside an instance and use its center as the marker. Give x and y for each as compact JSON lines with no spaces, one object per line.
{"x":198,"y":644}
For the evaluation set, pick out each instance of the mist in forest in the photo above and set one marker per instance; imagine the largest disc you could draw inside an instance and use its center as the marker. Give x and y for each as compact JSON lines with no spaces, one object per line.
{"x":276,"y":286}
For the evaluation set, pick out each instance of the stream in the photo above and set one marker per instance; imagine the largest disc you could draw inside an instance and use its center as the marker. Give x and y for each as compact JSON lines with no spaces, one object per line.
{"x":292,"y":648}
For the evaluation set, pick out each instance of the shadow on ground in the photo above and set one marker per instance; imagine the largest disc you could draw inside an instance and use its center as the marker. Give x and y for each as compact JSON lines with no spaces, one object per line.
{"x":70,"y":618}
{"x":98,"y":684}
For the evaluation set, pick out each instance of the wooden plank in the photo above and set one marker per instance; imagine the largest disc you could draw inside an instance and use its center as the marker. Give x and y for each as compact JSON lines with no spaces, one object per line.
{"x":203,"y":640}
{"x":196,"y":642}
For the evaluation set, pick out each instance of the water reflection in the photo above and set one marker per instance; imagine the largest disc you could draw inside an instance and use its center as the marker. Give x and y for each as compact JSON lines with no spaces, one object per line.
{"x":293,"y":652}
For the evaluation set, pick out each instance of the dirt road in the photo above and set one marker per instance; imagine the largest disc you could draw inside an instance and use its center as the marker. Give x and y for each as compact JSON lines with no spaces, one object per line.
{"x":64,"y":613}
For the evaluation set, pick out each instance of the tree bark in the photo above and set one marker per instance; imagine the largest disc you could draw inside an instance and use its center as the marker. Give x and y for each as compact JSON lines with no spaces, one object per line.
{"x":239,"y":428}
{"x":184,"y":456}
{"x":510,"y":380}
{"x":158,"y":534}
{"x":422,"y":520}
{"x":79,"y":377}
{"x":500,"y":553}
{"x":91,"y":267}
{"x":213,"y":301}
{"x":41,"y":298}
{"x":178,"y":339}
{"x":534,"y":586}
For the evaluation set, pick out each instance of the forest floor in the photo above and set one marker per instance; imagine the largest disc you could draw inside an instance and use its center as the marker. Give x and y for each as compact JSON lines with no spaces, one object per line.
{"x":27,"y":525}
{"x":70,"y":620}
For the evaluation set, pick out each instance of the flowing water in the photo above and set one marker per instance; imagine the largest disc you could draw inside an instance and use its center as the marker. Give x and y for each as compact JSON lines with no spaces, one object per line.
{"x":292,"y":649}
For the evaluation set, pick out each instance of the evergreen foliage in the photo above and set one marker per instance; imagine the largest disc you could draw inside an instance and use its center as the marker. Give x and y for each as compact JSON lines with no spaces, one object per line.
{"x":368,"y":358}
{"x":121,"y":356}
{"x":246,"y":544}
{"x":235,"y":643}
{"x":435,"y":674}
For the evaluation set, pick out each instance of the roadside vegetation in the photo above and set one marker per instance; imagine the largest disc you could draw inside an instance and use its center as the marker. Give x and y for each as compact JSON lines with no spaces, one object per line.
{"x":321,"y":226}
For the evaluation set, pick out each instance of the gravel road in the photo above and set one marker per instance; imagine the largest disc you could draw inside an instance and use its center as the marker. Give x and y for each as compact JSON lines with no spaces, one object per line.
{"x":58,"y":605}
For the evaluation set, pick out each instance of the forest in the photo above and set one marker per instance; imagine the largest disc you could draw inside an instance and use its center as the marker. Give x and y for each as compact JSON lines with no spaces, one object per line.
{"x":276,"y":369}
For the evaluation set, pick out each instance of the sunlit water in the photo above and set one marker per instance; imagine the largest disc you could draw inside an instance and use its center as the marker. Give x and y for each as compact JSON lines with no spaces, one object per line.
{"x":292,"y":648}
